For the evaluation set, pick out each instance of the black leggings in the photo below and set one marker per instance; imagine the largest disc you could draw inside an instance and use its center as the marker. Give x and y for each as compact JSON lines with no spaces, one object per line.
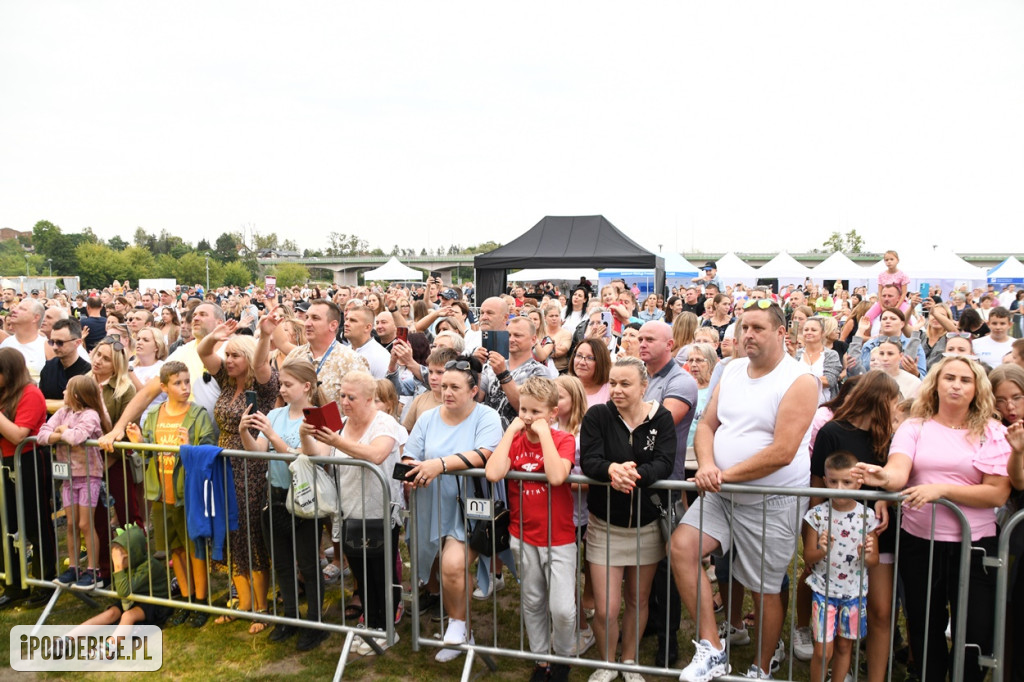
{"x":294,"y":541}
{"x":981,"y":593}
{"x":371,"y":590}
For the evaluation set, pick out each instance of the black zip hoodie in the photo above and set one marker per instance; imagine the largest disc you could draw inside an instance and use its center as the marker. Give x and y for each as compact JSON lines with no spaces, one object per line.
{"x":605,"y":438}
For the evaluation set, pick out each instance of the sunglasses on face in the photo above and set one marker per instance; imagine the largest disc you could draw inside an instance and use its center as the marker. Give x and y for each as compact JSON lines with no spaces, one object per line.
{"x":57,"y":343}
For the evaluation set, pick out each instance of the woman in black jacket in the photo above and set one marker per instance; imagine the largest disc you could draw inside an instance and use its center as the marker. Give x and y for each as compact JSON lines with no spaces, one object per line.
{"x":630,"y":444}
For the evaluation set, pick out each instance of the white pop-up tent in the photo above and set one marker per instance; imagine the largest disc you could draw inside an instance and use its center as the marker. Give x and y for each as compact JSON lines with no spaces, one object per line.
{"x":839,"y":267}
{"x":785,"y":269}
{"x":393,"y":270}
{"x":1010,"y":271}
{"x":732,"y":269}
{"x":936,"y":267}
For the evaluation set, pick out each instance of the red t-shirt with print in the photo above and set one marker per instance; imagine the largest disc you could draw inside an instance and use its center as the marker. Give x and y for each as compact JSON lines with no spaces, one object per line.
{"x":528,"y":457}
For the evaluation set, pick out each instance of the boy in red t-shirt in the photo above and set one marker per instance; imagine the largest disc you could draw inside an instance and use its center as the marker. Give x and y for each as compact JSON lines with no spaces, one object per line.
{"x":530,"y":445}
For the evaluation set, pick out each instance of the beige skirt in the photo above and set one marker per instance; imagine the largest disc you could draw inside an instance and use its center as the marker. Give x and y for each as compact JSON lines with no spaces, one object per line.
{"x":617,"y":546}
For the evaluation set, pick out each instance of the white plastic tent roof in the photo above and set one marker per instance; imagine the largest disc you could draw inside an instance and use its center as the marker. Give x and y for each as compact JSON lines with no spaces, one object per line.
{"x":783,"y":266}
{"x":937,"y":264}
{"x":839,"y":266}
{"x":393,"y":270}
{"x":1011,"y":268}
{"x":732,"y":269}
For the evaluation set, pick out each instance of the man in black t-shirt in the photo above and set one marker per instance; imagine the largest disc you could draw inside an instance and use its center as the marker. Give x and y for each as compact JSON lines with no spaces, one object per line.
{"x":94,"y":322}
{"x":65,"y":337}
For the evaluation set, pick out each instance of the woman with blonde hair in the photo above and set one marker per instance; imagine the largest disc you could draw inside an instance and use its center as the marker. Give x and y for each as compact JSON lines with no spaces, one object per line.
{"x":296,"y":540}
{"x":236,"y":374}
{"x":683,"y":328}
{"x":553,"y":342}
{"x":950,"y":448}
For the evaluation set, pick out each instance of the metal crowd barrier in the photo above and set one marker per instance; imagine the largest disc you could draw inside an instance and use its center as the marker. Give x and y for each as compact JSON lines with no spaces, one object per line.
{"x":47,"y":520}
{"x":504,"y":646}
{"x":16,"y":546}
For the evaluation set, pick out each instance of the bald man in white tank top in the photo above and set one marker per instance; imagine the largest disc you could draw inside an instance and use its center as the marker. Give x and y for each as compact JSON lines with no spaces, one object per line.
{"x":755,"y":431}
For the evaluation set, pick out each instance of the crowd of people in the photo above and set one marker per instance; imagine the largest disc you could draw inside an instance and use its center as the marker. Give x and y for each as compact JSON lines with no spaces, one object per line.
{"x":714,"y":384}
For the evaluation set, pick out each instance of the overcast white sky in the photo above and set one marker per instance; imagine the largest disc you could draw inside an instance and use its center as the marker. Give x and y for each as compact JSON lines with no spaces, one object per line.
{"x":751,"y":126}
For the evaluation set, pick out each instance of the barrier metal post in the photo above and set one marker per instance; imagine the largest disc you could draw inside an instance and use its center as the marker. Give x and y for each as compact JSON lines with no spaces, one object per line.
{"x":997,"y":661}
{"x":350,"y":631}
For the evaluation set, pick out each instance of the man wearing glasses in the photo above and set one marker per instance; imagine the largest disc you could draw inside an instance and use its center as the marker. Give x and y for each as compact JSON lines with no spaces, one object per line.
{"x":65,"y":339}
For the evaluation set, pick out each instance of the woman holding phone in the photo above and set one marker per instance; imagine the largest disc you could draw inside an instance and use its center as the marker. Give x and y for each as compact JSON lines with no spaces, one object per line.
{"x":245,"y":388}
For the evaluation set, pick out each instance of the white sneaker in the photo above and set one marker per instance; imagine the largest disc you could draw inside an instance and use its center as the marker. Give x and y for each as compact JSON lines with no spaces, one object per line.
{"x":603,"y":675}
{"x":630,"y":676}
{"x":778,"y":657}
{"x":456,"y":632}
{"x":363,"y":648}
{"x":736,"y":636}
{"x":803,"y":644}
{"x":497,"y":584}
{"x":707,"y":663}
{"x":445,"y":655}
{"x":584,"y":642}
{"x":756,"y":673}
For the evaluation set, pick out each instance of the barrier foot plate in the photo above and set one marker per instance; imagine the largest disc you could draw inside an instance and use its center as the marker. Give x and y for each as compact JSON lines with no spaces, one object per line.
{"x":46,"y":611}
{"x":467,"y":668}
{"x":345,"y":648}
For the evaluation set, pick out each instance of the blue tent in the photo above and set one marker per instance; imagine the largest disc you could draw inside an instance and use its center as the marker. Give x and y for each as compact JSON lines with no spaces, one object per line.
{"x":678,"y":271}
{"x":1010,"y":271}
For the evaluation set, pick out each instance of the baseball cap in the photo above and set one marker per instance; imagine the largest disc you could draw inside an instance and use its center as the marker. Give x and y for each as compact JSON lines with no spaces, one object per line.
{"x":450,"y":294}
{"x":710,"y":265}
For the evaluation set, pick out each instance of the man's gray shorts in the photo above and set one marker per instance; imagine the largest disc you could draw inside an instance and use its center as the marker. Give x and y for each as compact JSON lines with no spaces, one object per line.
{"x":770,"y":527}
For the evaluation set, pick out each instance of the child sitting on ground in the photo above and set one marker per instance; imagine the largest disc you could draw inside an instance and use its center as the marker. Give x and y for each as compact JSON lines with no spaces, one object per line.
{"x":82,"y":418}
{"x":175,"y":422}
{"x":531,"y":445}
{"x":838,"y":553}
{"x":134,"y":573}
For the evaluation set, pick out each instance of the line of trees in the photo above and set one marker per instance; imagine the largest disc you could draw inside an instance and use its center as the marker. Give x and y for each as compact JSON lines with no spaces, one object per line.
{"x":232,"y":256}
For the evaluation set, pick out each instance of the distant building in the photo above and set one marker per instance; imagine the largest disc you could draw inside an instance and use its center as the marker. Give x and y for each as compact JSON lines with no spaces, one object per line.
{"x":10,"y":233}
{"x":277,"y":253}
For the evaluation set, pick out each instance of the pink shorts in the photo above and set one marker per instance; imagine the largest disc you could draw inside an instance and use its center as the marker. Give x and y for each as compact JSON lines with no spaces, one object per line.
{"x":81,"y":490}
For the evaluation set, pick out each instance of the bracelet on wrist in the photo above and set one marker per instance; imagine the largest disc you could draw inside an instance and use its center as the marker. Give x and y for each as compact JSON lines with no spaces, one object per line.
{"x":444,"y":467}
{"x":505,"y":377}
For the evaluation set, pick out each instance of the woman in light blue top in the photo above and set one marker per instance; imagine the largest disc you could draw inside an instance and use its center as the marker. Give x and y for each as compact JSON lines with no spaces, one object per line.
{"x":651,"y":311}
{"x":459,"y":434}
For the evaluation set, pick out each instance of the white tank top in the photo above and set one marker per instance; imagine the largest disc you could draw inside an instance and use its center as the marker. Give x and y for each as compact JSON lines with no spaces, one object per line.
{"x":747,"y":412}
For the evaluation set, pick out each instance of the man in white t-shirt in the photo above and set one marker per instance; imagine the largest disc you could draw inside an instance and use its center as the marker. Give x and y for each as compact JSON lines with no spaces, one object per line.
{"x":205,"y":389}
{"x":25,"y":321}
{"x":992,"y":348}
{"x":754,"y":430}
{"x":358,"y":333}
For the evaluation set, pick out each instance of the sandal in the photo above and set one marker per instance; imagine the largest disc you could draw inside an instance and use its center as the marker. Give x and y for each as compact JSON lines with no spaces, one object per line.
{"x":258,"y":626}
{"x":223,"y":620}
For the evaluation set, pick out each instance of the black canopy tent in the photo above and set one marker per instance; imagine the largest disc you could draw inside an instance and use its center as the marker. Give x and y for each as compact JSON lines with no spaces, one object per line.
{"x":564,"y":241}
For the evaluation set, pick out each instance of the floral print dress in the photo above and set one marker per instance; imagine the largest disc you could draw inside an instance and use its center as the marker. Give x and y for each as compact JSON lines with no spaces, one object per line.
{"x":248,"y":549}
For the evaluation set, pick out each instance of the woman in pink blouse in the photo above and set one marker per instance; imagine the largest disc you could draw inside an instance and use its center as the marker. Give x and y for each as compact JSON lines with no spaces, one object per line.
{"x":951,"y":448}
